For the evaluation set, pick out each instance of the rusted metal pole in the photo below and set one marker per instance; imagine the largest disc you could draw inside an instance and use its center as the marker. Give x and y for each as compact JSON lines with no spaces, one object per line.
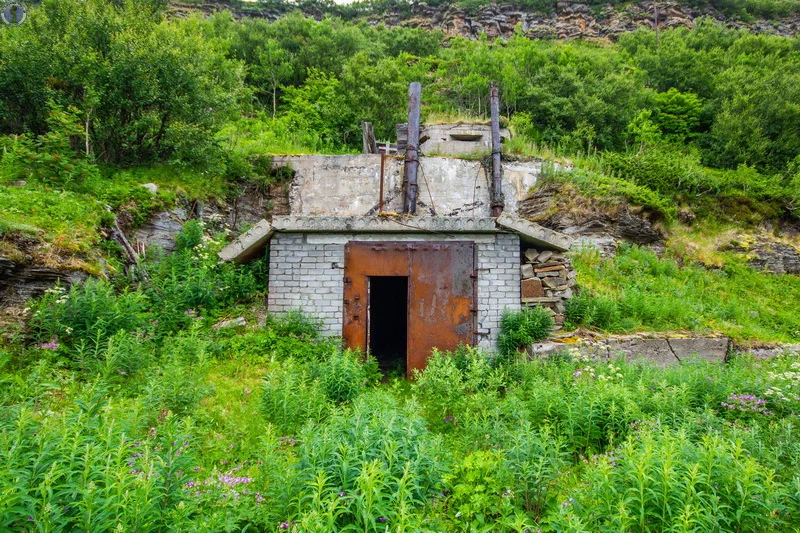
{"x":498,"y":202}
{"x":380,"y":194}
{"x":412,"y":149}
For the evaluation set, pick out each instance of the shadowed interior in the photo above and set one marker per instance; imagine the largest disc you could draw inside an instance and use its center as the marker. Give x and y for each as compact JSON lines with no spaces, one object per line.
{"x":388,"y":321}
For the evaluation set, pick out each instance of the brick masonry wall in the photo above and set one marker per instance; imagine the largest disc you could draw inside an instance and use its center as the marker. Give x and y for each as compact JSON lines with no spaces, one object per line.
{"x":309,"y":276}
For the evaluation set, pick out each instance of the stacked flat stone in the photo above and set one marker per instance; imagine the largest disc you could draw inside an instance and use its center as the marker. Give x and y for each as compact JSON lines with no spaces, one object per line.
{"x":548,"y":280}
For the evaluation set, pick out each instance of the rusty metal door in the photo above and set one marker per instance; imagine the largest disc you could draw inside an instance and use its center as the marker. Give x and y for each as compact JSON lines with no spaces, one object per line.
{"x":441,"y":293}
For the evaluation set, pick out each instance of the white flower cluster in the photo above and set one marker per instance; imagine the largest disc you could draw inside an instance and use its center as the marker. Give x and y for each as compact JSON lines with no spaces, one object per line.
{"x":785,"y":385}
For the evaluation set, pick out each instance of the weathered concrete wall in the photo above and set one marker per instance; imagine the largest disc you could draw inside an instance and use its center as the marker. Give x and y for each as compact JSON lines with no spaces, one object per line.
{"x":658,"y":351}
{"x":458,"y":139}
{"x":349,"y":185}
{"x":306,"y":272}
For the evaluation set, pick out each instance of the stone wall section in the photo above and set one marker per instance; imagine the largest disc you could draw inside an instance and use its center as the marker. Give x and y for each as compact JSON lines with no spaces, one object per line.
{"x":306,"y":271}
{"x":548,"y":280}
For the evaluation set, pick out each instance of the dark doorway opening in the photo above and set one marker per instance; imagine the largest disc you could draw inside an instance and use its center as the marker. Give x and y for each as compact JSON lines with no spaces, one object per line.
{"x":388,"y":322}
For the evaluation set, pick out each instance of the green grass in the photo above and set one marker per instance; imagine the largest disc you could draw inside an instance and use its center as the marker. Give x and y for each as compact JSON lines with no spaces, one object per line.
{"x":642,"y":292}
{"x":69,"y":221}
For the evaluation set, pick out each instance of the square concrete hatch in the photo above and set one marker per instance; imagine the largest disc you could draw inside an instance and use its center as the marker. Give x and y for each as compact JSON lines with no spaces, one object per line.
{"x":437,"y":281}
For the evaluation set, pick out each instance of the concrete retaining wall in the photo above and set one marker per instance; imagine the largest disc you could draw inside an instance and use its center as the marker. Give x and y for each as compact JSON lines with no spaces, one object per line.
{"x":349,"y":185}
{"x":306,"y":272}
{"x":661,"y":352}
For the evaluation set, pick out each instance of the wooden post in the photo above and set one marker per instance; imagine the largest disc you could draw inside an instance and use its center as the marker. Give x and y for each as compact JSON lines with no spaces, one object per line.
{"x":380,"y":193}
{"x":369,"y":145}
{"x":498,"y":202}
{"x":412,"y":149}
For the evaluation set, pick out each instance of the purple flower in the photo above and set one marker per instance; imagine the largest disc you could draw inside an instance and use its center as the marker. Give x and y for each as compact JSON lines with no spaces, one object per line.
{"x":382,"y":519}
{"x":52,"y":345}
{"x":449,"y":420}
{"x":30,"y":519}
{"x":341,"y":494}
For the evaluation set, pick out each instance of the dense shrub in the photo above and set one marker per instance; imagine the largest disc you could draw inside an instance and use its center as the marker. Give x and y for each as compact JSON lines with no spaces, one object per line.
{"x":519,"y":329}
{"x":662,"y":480}
{"x":291,"y":397}
{"x":342,"y":375}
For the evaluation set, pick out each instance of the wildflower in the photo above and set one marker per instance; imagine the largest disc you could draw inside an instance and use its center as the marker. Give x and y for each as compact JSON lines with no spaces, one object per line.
{"x":52,"y":345}
{"x":449,"y":419}
{"x":382,"y":519}
{"x":341,"y":494}
{"x":153,"y":432}
{"x":122,"y":372}
{"x":30,"y":519}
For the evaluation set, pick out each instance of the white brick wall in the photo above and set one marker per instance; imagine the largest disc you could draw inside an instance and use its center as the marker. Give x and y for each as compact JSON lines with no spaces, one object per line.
{"x":498,"y":284}
{"x":309,"y":276}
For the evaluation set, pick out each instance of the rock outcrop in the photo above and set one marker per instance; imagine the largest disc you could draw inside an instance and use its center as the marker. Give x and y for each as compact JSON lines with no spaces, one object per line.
{"x":569,"y":20}
{"x":19,"y":282}
{"x":588,"y":222}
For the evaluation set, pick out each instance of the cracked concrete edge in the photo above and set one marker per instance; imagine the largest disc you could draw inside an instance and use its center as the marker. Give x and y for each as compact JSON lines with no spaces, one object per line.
{"x":532,"y":233}
{"x":248,"y":244}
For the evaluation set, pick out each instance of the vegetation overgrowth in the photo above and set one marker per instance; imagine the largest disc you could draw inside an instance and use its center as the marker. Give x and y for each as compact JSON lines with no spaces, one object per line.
{"x":123,"y":408}
{"x":704,"y":118}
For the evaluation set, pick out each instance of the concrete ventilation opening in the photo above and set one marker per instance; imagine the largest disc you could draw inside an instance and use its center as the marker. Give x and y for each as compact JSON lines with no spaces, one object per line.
{"x":388,"y":322}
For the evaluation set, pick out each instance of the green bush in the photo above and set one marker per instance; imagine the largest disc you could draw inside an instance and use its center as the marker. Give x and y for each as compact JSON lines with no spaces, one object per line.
{"x":91,"y":311}
{"x":450,"y":378}
{"x":519,"y":329}
{"x":366,"y":468}
{"x":670,"y":482}
{"x":342,"y":375}
{"x":291,"y":397}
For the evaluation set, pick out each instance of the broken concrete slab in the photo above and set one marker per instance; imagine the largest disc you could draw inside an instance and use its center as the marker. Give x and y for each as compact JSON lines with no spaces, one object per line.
{"x":656,"y":351}
{"x":249,"y":244}
{"x":533,"y":233}
{"x":232,"y":323}
{"x":709,"y":349}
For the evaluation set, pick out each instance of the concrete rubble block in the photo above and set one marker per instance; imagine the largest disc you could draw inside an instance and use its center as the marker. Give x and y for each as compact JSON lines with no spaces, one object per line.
{"x":232,"y":323}
{"x":555,"y":283}
{"x":249,"y":244}
{"x":541,"y":300}
{"x":545,"y":349}
{"x":594,"y":351}
{"x":152,"y":187}
{"x":527,"y":271}
{"x":656,"y":351}
{"x":709,"y":349}
{"x":531,"y":255}
{"x":547,"y":274}
{"x":532,"y":288}
{"x":534,"y":234}
{"x":554,"y":268}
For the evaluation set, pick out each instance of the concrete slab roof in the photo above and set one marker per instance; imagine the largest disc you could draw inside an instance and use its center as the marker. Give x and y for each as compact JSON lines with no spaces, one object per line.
{"x":252,"y":241}
{"x":384,"y":224}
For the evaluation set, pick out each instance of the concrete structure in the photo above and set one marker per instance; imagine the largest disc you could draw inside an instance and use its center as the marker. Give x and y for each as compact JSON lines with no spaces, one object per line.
{"x":307,"y":259}
{"x":349,"y":185}
{"x":398,"y":286}
{"x":660,"y":352}
{"x":458,"y":139}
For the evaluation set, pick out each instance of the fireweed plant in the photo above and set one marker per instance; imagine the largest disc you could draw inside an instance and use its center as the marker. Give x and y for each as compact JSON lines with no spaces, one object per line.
{"x":123,"y":408}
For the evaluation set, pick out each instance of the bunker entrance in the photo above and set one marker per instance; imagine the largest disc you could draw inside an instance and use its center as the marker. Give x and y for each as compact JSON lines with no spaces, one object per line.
{"x":388,"y":321}
{"x":434,"y":309}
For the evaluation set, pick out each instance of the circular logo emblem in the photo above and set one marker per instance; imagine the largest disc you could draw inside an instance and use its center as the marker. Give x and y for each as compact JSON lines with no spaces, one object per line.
{"x":13,"y":13}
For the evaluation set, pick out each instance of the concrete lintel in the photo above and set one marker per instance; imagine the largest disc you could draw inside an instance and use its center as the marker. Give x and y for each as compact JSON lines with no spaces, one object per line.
{"x":344,"y":238}
{"x":248,"y":244}
{"x":535,"y":234}
{"x":383,"y":224}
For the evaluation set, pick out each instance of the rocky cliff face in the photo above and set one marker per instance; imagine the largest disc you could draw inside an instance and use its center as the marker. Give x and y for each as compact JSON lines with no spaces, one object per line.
{"x":570,"y":20}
